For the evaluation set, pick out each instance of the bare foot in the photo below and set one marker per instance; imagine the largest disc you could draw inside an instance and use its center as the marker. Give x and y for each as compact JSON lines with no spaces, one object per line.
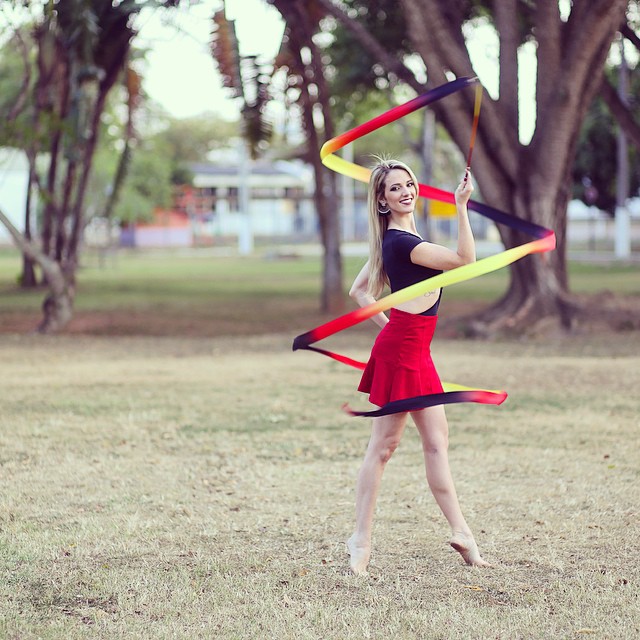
{"x":358,"y":556}
{"x":466,"y":546}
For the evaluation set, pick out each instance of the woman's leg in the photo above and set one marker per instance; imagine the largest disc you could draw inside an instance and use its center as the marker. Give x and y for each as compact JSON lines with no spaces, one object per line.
{"x":434,"y":431}
{"x":386,"y":432}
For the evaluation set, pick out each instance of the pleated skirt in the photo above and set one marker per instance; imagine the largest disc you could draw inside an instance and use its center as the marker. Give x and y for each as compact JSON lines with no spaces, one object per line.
{"x":400,"y":365}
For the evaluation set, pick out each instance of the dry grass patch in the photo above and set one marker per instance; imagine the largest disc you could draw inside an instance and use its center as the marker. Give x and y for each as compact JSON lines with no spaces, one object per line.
{"x":182,"y":488}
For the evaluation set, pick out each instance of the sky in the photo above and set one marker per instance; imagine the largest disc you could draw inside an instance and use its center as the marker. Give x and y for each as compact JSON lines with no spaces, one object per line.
{"x":181,"y":75}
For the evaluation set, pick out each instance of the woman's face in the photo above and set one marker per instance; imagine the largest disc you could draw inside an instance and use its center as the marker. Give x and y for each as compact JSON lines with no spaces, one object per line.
{"x":400,"y":192}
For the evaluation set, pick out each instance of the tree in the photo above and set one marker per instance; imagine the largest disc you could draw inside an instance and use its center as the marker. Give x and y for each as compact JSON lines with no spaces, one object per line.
{"x":595,"y":169}
{"x":15,"y":84}
{"x":132,"y":85}
{"x":531,"y":180}
{"x":246,"y":77}
{"x":132,"y":197}
{"x":302,"y":59}
{"x":82,"y":47}
{"x":622,"y":112}
{"x":361,"y":88}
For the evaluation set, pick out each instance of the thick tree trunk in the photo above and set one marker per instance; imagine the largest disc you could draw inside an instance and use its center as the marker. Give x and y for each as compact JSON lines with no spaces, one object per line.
{"x":332,"y":295}
{"x":530,"y":181}
{"x":60,"y":275}
{"x":538,"y":284}
{"x":28,"y":279}
{"x":58,"y":305}
{"x":332,"y":291}
{"x":300,"y":35}
{"x":57,"y":308}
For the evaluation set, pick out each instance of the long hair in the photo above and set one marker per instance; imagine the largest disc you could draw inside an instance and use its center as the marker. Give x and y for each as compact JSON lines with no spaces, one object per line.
{"x":377,"y":222}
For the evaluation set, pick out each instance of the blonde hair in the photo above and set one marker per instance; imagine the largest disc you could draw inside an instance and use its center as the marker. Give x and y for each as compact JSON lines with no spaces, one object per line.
{"x":378,"y":222}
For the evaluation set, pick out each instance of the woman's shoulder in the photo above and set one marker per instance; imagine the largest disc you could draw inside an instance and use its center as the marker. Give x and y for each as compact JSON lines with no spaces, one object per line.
{"x":400,"y":237}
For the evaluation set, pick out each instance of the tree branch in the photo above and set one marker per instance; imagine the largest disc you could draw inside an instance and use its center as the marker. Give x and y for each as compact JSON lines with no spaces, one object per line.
{"x":548,"y":32}
{"x":587,"y":39}
{"x":506,"y":19}
{"x":586,"y":21}
{"x":620,"y":111}
{"x":377,"y":51}
{"x":26,"y":247}
{"x":304,"y":20}
{"x":444,"y":50}
{"x":455,"y":115}
{"x":630,"y":35}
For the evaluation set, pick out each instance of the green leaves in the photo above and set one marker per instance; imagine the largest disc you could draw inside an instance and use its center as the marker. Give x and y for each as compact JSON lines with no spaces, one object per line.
{"x":246,"y":78}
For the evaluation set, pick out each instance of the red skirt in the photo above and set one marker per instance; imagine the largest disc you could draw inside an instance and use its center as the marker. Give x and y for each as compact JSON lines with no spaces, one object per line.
{"x":400,"y":365}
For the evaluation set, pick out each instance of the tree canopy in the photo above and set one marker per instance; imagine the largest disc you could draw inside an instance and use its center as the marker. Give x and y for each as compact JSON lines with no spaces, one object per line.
{"x":532,"y":179}
{"x":78,"y":51}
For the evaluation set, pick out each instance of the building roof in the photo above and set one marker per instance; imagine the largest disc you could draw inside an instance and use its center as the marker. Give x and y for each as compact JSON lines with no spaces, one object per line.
{"x":229,"y":170}
{"x":261,"y":173}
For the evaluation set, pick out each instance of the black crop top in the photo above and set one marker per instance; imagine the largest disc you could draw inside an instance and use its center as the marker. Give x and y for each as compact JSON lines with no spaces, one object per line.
{"x":396,"y":258}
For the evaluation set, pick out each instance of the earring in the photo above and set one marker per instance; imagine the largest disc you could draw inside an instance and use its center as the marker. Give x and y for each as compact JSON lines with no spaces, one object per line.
{"x":383,"y":212}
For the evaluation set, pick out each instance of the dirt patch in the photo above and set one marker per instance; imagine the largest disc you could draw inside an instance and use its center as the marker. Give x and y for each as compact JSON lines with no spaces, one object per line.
{"x":605,"y":313}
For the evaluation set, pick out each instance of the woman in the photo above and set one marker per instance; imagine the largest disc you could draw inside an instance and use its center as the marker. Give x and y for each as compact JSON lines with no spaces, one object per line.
{"x":400,"y":365}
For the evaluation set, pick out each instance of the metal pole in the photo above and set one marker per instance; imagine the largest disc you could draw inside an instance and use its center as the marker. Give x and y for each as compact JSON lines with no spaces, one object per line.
{"x":245,"y":231}
{"x":622,"y":221}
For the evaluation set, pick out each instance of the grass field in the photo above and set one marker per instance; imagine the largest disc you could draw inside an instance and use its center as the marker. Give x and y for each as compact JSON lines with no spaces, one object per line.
{"x":199,"y":294}
{"x":200,"y":483}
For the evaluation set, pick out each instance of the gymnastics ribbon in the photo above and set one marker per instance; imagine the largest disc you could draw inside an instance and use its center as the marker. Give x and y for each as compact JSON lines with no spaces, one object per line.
{"x":474,"y":126}
{"x":545,"y":240}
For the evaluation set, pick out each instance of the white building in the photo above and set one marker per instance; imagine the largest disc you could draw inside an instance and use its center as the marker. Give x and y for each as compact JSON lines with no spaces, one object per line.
{"x":279,"y":203}
{"x":14,"y":177}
